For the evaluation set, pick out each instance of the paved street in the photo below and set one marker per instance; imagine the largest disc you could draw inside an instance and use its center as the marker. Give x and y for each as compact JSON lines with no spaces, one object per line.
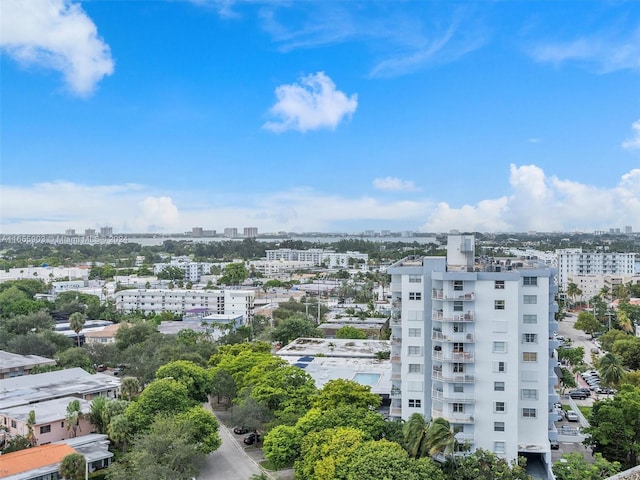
{"x":580,"y":339}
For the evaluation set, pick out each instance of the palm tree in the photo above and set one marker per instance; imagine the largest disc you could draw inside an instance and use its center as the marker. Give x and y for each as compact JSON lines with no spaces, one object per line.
{"x":440,"y":437}
{"x":415,"y":432}
{"x":119,"y":431}
{"x":76,"y":322}
{"x":624,"y":321}
{"x":611,"y":369}
{"x":31,"y":422}
{"x":129,"y":387}
{"x":73,"y":417}
{"x":573,"y":291}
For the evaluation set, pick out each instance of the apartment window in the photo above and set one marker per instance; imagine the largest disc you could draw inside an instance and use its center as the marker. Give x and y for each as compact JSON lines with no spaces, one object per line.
{"x":458,"y":327}
{"x":498,"y":426}
{"x":415,"y":403}
{"x":458,"y":347}
{"x":498,"y":386}
{"x":499,"y":447}
{"x":415,"y":332}
{"x":498,"y":305}
{"x":45,"y":429}
{"x":458,"y":388}
{"x":61,"y":424}
{"x":529,"y":413}
{"x":414,"y":351}
{"x":529,"y":319}
{"x":529,"y":394}
{"x":499,"y":407}
{"x":13,"y":424}
{"x":530,"y":299}
{"x":530,"y":338}
{"x":415,"y":368}
{"x":500,"y":367}
{"x":458,"y":306}
{"x":529,"y":356}
{"x":415,"y":278}
{"x":457,"y":407}
{"x":415,"y":295}
{"x":499,"y":285}
{"x":530,"y":281}
{"x":458,"y":285}
{"x":458,"y":368}
{"x":499,"y":347}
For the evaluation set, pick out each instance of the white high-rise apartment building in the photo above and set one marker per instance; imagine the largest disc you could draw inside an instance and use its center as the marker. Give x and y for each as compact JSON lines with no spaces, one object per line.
{"x":574,"y":262}
{"x":471,"y":343}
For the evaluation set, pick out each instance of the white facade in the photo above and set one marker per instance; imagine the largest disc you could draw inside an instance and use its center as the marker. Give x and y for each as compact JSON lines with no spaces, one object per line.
{"x":227,"y":302}
{"x":471,"y":344}
{"x":193,"y":271}
{"x":317,"y":256}
{"x":573,"y":261}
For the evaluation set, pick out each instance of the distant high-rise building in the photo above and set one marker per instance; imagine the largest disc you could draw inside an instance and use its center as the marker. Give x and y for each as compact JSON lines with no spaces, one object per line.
{"x":231,"y":232}
{"x":70,"y":231}
{"x":250,"y":232}
{"x":628,"y":230}
{"x":106,"y":231}
{"x":196,"y":231}
{"x":90,"y":232}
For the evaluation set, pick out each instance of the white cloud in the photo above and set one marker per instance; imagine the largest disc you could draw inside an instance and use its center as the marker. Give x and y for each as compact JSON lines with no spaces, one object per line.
{"x":309,"y":105}
{"x":633,"y":143}
{"x":536,"y":201}
{"x":393,"y":184}
{"x":55,"y":34}
{"x":542,"y":203}
{"x":602,"y":52}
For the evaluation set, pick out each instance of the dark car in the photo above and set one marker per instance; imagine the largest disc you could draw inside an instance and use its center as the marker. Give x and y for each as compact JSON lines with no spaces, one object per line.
{"x":578,"y":395}
{"x":240,"y":430}
{"x":101,"y":368}
{"x":251,"y":438}
{"x":554,"y":445}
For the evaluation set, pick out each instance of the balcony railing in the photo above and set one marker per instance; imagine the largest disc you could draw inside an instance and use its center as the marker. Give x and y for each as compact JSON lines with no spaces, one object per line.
{"x":396,"y":359}
{"x":396,"y":393}
{"x":452,"y":337}
{"x":396,"y":340}
{"x":452,"y":377}
{"x":439,"y":294}
{"x":453,"y":417}
{"x":395,"y":411}
{"x":439,"y":316}
{"x":458,"y":357}
{"x":452,"y":397}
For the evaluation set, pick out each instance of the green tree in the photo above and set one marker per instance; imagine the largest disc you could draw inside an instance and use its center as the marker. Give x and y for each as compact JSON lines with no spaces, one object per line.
{"x":416,"y":435}
{"x":31,"y":422}
{"x":340,"y":392}
{"x":573,"y":291}
{"x":129,"y":387}
{"x":203,"y":427}
{"x":73,"y":417}
{"x":119,"y":431}
{"x":369,"y":422}
{"x":485,"y":465}
{"x":164,"y":395}
{"x":96,"y":414}
{"x":171,"y":273}
{"x":440,"y":437}
{"x":234,"y":274}
{"x":73,"y":467}
{"x":33,"y":322}
{"x":76,"y":322}
{"x":194,"y":377}
{"x":610,"y":369}
{"x":614,"y":427}
{"x":282,"y":446}
{"x":628,"y":349}
{"x":573,"y":356}
{"x":222,"y":385}
{"x":295,"y":327}
{"x":567,"y":380}
{"x":573,"y":466}
{"x":608,"y":339}
{"x":587,"y":323}
{"x":75,"y":357}
{"x":350,"y":332}
{"x":16,"y":443}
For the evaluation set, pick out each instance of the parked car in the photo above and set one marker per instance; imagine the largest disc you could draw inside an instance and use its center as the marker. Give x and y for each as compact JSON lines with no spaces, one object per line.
{"x":605,"y":390}
{"x":572,"y":416}
{"x":583,"y":389}
{"x":101,"y":368}
{"x":251,"y":438}
{"x":554,"y":444}
{"x":578,"y":395}
{"x":240,"y":430}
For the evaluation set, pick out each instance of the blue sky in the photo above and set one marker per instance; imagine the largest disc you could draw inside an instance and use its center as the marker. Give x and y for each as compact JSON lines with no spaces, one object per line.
{"x":158,"y":116}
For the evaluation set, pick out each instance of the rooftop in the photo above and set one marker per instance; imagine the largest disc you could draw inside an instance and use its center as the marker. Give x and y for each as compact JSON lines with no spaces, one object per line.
{"x":9,"y":361}
{"x":335,"y":347}
{"x":15,"y":463}
{"x":46,"y":412}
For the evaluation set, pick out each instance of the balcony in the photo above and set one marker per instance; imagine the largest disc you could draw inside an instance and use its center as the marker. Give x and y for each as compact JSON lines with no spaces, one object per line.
{"x":396,"y":359}
{"x":396,"y":341}
{"x":395,"y":321}
{"x":453,"y":417}
{"x":465,"y":437}
{"x":396,"y":376}
{"x":452,"y":397}
{"x":456,"y":357}
{"x":452,"y":377}
{"x":452,"y":337}
{"x":439,"y":316}
{"x":395,"y":411}
{"x":396,"y":393}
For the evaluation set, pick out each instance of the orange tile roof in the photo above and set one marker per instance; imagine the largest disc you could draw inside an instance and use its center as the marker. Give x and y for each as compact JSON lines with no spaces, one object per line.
{"x":32,"y":458}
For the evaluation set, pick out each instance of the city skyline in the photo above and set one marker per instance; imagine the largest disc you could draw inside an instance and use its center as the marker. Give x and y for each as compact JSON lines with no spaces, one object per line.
{"x":319,"y":116}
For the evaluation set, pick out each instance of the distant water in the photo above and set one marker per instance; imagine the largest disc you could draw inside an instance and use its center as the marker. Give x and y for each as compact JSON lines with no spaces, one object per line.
{"x":149,"y":242}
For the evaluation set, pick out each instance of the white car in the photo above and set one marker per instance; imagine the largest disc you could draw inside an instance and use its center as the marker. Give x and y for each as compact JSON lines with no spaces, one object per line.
{"x":572,"y":416}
